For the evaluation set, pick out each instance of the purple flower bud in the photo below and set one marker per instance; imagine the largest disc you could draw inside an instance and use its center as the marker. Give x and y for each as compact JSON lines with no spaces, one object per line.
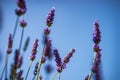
{"x":69,"y":55}
{"x":86,"y":78}
{"x":59,"y":69}
{"x":9,"y":47}
{"x":21,"y":4}
{"x":43,"y":60}
{"x":34,"y":50}
{"x":96,"y":33}
{"x":32,"y":57}
{"x":19,"y":62}
{"x":19,"y":74}
{"x":20,"y":11}
{"x":46,"y":31}
{"x":50,"y":17}
{"x":23,"y":23}
{"x":94,"y":68}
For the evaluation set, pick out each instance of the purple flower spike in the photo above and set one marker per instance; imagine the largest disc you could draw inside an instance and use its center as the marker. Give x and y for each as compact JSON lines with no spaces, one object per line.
{"x":20,"y":60}
{"x":21,"y":4}
{"x":20,"y":11}
{"x":46,"y":31}
{"x":50,"y":17}
{"x":19,"y":74}
{"x":9,"y":47}
{"x":43,"y":60}
{"x":69,"y":55}
{"x":23,"y":23}
{"x":34,"y":50}
{"x":86,"y":78}
{"x":96,"y":34}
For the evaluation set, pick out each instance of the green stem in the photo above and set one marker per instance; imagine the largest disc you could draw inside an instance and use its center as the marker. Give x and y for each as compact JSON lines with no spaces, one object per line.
{"x":28,"y":70}
{"x":15,"y":28}
{"x":6,"y":67}
{"x":40,"y":65}
{"x":33,"y":78}
{"x":53,"y":77}
{"x":21,"y":39}
{"x":59,"y":76}
{"x":91,"y":73}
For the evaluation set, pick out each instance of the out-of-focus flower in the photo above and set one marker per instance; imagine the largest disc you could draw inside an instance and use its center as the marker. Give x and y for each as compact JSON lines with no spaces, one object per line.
{"x":9,"y":47}
{"x":19,"y":75}
{"x":21,"y":4}
{"x":36,"y":67}
{"x":23,"y":23}
{"x":34,"y":50}
{"x":50,"y":17}
{"x":20,"y":11}
{"x":26,"y":44}
{"x":69,"y":55}
{"x":20,"y":60}
{"x":46,"y":31}
{"x":48,"y":68}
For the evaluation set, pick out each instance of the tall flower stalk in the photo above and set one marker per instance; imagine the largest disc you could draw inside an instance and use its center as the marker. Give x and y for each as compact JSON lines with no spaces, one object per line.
{"x":96,"y":49}
{"x":32,"y":56}
{"x":47,"y":42}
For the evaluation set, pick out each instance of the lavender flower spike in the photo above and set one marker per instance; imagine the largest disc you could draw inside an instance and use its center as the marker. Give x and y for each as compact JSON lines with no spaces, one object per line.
{"x":69,"y":55}
{"x":9,"y":47}
{"x":58,"y":60}
{"x":50,"y":17}
{"x":34,"y":50}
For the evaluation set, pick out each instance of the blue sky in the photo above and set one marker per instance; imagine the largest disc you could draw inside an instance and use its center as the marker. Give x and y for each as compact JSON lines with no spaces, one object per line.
{"x":72,"y":28}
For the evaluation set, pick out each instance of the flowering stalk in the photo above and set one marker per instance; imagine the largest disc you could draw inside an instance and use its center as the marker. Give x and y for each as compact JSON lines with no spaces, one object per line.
{"x":96,"y":49}
{"x":8,"y":51}
{"x":47,"y":44}
{"x":32,"y":56}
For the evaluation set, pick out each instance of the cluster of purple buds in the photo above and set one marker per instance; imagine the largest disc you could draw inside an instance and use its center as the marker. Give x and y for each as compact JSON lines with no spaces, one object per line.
{"x":21,"y":7}
{"x":19,"y":75}
{"x":96,"y":48}
{"x":20,"y":61}
{"x":96,"y":34}
{"x":61,"y":65}
{"x":58,"y":60}
{"x":48,"y":48}
{"x":23,"y":23}
{"x":50,"y":17}
{"x":9,"y":47}
{"x":69,"y":55}
{"x":34,"y":50}
{"x":36,"y":68}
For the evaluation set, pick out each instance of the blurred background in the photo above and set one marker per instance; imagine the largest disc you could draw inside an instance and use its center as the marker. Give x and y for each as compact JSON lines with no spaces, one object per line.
{"x":72,"y":28}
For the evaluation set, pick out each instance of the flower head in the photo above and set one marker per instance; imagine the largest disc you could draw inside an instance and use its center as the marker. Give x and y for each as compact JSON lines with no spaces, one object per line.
{"x":34,"y":50}
{"x":50,"y":17}
{"x":9,"y":47}
{"x":97,"y":33}
{"x":23,"y":23}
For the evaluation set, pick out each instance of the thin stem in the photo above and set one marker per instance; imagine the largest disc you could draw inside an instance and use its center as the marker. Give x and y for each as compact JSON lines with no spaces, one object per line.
{"x":53,"y":77}
{"x":91,"y":73}
{"x":33,"y":78}
{"x":21,"y":39}
{"x":59,"y":76}
{"x":6,"y":67}
{"x":15,"y":28}
{"x":40,"y":63}
{"x":3,"y":72}
{"x":28,"y":70}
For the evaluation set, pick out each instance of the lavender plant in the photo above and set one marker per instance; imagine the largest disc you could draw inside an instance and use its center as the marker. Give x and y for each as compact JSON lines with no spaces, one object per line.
{"x":48,"y":52}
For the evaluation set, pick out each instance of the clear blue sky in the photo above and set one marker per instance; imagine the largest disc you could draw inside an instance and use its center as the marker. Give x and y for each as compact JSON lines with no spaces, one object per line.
{"x":72,"y":28}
